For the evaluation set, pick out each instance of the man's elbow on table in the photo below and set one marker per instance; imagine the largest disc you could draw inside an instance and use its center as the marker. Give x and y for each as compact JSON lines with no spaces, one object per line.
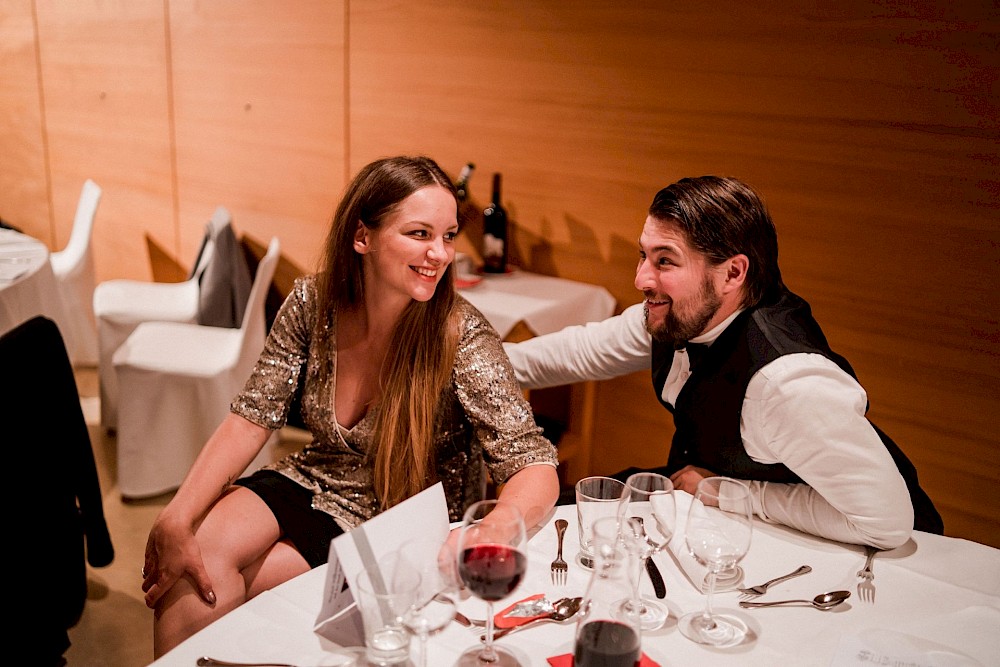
{"x":892,"y":529}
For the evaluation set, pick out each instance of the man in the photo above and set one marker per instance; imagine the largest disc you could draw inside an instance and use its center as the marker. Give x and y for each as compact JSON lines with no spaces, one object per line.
{"x":754,"y":388}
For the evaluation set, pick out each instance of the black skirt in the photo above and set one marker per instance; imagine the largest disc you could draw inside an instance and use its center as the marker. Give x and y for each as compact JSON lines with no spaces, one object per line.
{"x":308,"y":529}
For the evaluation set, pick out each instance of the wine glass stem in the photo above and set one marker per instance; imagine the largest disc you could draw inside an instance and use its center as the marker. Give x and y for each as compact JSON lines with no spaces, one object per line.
{"x":422,"y":657}
{"x":709,"y":618}
{"x":636,"y":596}
{"x":488,"y":654}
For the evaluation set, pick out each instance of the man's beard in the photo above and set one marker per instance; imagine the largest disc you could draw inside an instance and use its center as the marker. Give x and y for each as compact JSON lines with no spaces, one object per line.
{"x":679,"y":327}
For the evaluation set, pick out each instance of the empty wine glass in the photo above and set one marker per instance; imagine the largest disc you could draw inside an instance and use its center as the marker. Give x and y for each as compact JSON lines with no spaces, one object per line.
{"x":646,"y":517}
{"x":718,"y":531}
{"x":491,"y":564}
{"x":434,"y":608}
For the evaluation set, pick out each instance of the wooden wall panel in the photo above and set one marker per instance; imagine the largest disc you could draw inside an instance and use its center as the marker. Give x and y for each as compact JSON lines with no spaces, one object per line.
{"x":24,"y":200}
{"x":870,"y":129}
{"x":103,"y":74}
{"x":259,"y":112}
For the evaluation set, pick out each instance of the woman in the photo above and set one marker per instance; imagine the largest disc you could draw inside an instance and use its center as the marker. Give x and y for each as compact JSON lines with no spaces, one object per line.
{"x":404,"y":383}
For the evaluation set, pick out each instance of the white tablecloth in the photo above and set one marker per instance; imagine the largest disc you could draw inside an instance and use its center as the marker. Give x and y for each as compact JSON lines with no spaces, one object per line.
{"x":27,"y":285}
{"x":544,"y":303}
{"x":939,"y":594}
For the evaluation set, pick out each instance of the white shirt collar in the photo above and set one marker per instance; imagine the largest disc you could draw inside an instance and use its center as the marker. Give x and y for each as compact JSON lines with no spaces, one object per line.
{"x":709,"y":337}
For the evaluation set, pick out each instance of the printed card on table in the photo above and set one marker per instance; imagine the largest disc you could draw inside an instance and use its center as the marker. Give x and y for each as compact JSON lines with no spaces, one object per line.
{"x":425,"y":515}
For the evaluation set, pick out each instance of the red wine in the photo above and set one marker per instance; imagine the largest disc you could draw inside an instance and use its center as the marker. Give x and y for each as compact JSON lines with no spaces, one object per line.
{"x":607,"y":644}
{"x":492,"y":571}
{"x":495,"y":233}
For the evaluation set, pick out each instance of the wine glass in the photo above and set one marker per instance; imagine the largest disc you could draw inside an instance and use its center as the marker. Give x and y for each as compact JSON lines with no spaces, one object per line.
{"x":434,"y":607}
{"x":491,"y":564}
{"x":646,"y":516}
{"x":718,"y":531}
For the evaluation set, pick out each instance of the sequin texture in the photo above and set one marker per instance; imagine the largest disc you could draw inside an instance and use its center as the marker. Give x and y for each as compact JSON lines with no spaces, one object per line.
{"x":483,"y":417}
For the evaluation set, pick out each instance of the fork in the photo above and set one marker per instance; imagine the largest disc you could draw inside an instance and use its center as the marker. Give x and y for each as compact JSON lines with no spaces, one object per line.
{"x":559,"y":567}
{"x":754,"y":591}
{"x":866,"y":587}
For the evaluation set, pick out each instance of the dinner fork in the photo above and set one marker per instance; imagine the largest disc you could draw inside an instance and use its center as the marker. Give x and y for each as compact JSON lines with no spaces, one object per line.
{"x":866,"y":587}
{"x":559,"y":567}
{"x":760,"y":589}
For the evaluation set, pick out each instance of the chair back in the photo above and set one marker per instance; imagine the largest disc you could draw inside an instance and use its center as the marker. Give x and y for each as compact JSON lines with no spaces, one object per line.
{"x":254,"y":329}
{"x":60,"y":524}
{"x":219,"y":221}
{"x":224,"y":287}
{"x":77,"y":251}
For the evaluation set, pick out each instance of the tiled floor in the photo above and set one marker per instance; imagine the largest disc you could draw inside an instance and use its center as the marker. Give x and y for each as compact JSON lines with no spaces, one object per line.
{"x":116,"y":627}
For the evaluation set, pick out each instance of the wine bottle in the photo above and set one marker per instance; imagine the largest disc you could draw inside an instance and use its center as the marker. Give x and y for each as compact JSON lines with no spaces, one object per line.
{"x":495,"y":233}
{"x":462,"y":184}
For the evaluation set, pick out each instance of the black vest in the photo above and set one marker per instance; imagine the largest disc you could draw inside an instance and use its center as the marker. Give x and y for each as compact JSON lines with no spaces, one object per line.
{"x":707,"y":411}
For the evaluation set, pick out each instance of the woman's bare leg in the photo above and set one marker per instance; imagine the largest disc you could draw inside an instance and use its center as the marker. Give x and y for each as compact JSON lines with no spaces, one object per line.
{"x":239,"y":541}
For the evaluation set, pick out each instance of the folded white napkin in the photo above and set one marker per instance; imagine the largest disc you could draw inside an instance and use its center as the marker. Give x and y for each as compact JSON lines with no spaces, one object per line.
{"x":692,"y":569}
{"x":367,"y":546}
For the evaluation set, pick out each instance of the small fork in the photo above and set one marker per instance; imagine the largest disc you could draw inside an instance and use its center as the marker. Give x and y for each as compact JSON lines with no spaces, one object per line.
{"x":866,"y":587}
{"x":559,"y":567}
{"x":754,"y":591}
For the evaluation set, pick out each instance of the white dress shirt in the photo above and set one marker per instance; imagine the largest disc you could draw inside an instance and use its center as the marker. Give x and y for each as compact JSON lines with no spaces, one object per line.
{"x":801,"y":410}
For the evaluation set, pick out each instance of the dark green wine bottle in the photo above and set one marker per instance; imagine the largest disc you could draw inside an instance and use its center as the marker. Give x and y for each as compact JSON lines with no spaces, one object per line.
{"x":495,"y":233}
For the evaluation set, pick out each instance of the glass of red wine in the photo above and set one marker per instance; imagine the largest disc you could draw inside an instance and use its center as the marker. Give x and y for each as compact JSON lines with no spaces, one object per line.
{"x":491,"y":564}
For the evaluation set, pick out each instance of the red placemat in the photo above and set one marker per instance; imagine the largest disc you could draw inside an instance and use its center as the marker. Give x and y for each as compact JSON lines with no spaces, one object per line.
{"x":566,"y":660}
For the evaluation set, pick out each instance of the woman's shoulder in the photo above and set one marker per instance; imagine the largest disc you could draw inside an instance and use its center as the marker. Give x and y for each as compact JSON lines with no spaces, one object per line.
{"x":469,"y":317}
{"x":304,"y":289}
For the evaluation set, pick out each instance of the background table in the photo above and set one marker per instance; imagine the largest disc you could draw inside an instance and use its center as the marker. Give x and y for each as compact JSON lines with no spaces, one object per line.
{"x":28,"y":286}
{"x":939,"y":590}
{"x":521,"y":305}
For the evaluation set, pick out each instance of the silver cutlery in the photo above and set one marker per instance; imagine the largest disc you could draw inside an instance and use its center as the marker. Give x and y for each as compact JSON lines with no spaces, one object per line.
{"x":559,"y":567}
{"x":205,"y":661}
{"x":462,"y":619}
{"x":639,"y":528}
{"x":753,"y":591}
{"x":866,"y":587}
{"x":823,"y":601}
{"x":565,"y":610}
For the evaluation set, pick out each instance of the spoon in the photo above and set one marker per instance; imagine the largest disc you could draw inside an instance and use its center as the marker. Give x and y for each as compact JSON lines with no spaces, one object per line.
{"x":823,"y":601}
{"x":564,"y":611}
{"x":355,"y":653}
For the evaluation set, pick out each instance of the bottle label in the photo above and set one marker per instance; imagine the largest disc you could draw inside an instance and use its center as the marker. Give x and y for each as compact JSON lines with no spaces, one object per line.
{"x":493,"y":247}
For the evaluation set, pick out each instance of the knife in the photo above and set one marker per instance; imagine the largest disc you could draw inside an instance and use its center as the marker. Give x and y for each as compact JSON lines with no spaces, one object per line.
{"x":654,"y":575}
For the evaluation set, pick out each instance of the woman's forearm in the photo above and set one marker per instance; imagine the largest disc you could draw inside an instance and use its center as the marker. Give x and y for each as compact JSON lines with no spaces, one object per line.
{"x":534,"y":490}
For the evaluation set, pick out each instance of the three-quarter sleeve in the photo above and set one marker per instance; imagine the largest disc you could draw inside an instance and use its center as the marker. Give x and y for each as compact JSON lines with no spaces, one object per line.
{"x":269,"y":391}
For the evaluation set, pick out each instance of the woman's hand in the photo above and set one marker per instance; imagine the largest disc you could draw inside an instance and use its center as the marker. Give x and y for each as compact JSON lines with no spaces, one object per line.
{"x":172,"y":552}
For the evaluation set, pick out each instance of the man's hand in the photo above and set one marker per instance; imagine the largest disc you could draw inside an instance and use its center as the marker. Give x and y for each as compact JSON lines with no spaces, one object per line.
{"x":687,"y":478}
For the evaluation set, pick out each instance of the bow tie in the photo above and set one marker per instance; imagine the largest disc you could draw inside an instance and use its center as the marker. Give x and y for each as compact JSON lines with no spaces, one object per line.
{"x":696,"y":353}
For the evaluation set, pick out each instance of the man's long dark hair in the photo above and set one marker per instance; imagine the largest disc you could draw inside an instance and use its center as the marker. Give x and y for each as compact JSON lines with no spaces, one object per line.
{"x":722,"y":217}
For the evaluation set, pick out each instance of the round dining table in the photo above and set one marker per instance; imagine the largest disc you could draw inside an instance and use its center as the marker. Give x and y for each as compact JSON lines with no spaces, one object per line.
{"x":28,"y":287}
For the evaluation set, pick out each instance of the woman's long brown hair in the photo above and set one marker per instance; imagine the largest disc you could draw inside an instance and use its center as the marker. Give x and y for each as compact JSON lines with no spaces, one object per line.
{"x":421,"y":353}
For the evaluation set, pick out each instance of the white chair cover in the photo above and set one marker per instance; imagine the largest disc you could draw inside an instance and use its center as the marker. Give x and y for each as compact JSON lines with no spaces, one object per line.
{"x":122,"y":305}
{"x":177,"y":381}
{"x":73,"y":267}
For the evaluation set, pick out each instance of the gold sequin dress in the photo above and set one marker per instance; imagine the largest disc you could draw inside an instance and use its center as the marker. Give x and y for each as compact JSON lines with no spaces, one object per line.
{"x":483,"y":416}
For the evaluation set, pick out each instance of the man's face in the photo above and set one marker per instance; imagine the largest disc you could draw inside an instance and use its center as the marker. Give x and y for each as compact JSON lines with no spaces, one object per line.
{"x":679,"y":285}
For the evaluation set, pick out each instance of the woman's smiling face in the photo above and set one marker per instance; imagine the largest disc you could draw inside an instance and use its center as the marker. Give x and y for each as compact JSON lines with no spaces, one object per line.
{"x":409,"y":253}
